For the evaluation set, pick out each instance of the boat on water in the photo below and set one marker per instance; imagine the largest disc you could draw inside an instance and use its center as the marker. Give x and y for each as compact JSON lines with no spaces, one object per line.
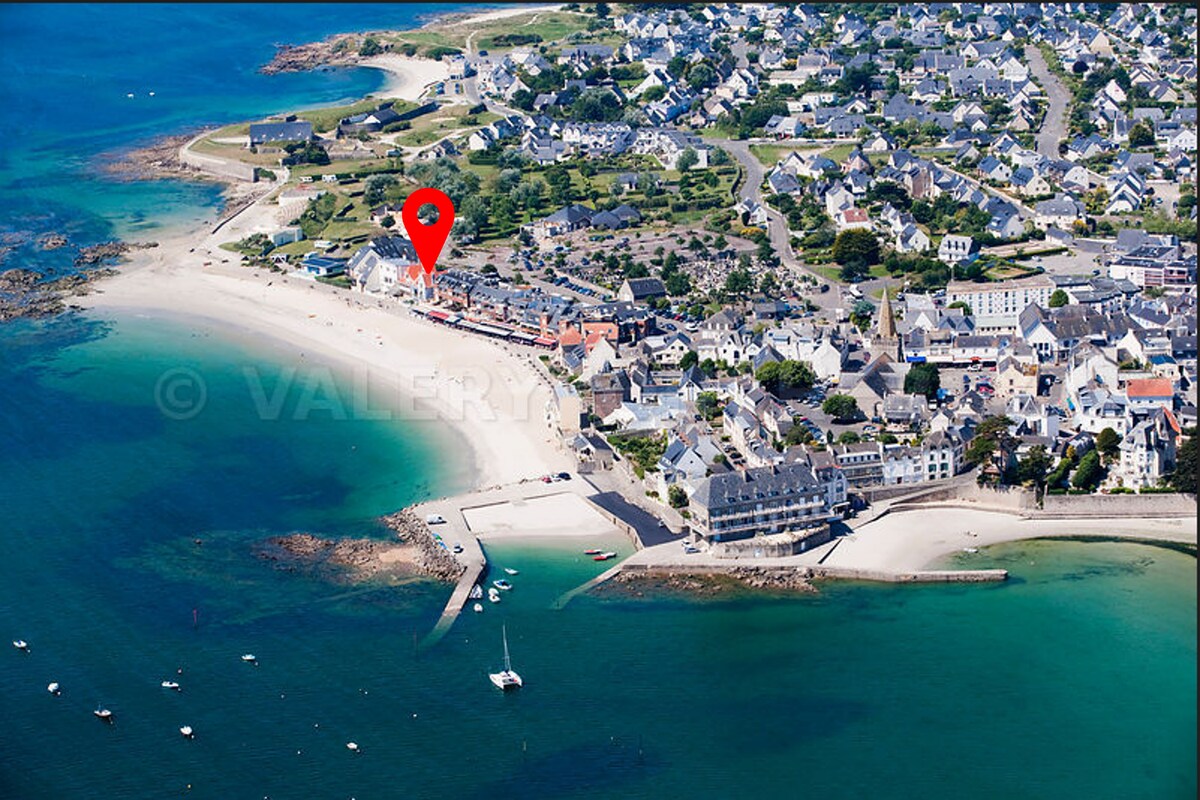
{"x":352,"y":747}
{"x":250,"y":658}
{"x":103,"y":714}
{"x":592,"y":552}
{"x":54,"y":689}
{"x":476,"y":592}
{"x":502,"y":585}
{"x":493,"y":595}
{"x":604,"y":556}
{"x":478,"y":608}
{"x":506,"y":679}
{"x":511,"y":571}
{"x":187,"y":732}
{"x":21,"y":644}
{"x":171,"y":685}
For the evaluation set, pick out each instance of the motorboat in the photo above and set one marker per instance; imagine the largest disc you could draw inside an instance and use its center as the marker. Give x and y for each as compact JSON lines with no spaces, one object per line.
{"x":493,"y":595}
{"x":103,"y":714}
{"x":172,"y":685}
{"x":478,"y":608}
{"x":511,"y":571}
{"x":604,"y":556}
{"x":352,"y":747}
{"x":592,"y":552}
{"x":187,"y":732}
{"x":54,"y":689}
{"x":506,"y":679}
{"x":502,"y":585}
{"x":21,"y":644}
{"x":250,"y":658}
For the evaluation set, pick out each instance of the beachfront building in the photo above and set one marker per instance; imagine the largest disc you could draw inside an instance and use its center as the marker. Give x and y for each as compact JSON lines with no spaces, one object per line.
{"x":565,"y":410}
{"x":761,"y":511}
{"x":388,"y":265}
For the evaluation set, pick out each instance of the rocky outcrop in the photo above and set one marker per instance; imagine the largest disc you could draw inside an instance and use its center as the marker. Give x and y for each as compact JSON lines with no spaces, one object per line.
{"x":159,"y":159}
{"x":52,"y":241}
{"x":707,"y":583}
{"x":433,"y":559}
{"x":96,"y":253}
{"x":345,"y":559}
{"x":335,"y":50}
{"x":24,"y":293}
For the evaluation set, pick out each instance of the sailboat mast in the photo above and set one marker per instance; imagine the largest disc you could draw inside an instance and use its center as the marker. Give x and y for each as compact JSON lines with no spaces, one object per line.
{"x":504,"y":633}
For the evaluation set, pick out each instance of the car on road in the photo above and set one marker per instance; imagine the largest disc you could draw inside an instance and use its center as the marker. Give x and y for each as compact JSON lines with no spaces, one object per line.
{"x":869,"y":429}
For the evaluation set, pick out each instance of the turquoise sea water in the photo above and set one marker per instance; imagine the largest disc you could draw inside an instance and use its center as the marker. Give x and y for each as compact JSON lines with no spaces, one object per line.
{"x":1077,"y":678}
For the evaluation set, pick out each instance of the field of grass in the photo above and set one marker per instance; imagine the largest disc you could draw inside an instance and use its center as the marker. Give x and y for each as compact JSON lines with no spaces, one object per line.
{"x":326,"y":119}
{"x":236,"y":153}
{"x":769,"y":154}
{"x":432,"y":127}
{"x":832,"y":272}
{"x":550,"y":26}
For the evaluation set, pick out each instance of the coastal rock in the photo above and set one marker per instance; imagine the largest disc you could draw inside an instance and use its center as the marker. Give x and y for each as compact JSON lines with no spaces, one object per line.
{"x":708,"y":583}
{"x":97,"y":253}
{"x":52,"y":241}
{"x":24,"y":293}
{"x":159,"y":159}
{"x":434,"y":559}
{"x":339,"y":50}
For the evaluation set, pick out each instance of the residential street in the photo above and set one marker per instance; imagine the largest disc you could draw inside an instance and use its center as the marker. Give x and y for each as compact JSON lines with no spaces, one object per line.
{"x":1054,"y":125}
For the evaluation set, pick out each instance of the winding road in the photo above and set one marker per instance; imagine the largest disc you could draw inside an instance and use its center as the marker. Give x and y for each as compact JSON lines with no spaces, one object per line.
{"x":1054,"y":124}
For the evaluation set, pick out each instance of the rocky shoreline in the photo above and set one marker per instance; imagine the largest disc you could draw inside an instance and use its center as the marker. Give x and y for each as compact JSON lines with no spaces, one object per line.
{"x":23,"y":293}
{"x":640,"y":582}
{"x":155,"y":161}
{"x":435,"y":560}
{"x":337,"y":50}
{"x":416,"y":555}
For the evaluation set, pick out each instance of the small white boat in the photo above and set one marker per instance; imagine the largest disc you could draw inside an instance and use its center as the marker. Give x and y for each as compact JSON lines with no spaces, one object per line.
{"x":152,"y":94}
{"x":476,"y":592}
{"x":21,"y":644}
{"x":502,"y":585}
{"x":187,"y":732}
{"x":478,"y":608}
{"x":352,"y":747}
{"x":130,"y":94}
{"x":970,"y":549}
{"x":250,"y":658}
{"x":493,"y":595}
{"x":103,"y":714}
{"x":505,"y":679}
{"x":171,"y":685}
{"x":511,"y":571}
{"x":54,"y":689}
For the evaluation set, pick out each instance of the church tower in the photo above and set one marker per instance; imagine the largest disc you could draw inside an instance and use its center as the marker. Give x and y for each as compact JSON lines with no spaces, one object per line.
{"x":885,"y":340}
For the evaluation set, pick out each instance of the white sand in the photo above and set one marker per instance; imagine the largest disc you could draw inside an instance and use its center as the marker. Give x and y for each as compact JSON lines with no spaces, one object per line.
{"x":488,"y":392}
{"x":408,"y":78}
{"x":565,"y":514}
{"x":913,"y":540}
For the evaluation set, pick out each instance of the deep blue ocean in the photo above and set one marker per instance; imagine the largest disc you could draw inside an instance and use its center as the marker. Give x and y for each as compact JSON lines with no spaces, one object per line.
{"x":128,"y":540}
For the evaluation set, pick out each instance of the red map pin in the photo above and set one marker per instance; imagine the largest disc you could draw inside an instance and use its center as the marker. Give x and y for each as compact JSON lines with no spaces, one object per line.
{"x":428,"y":240}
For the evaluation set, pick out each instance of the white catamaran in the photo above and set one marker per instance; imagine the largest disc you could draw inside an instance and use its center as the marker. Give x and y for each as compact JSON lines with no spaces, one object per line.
{"x":506,"y":679}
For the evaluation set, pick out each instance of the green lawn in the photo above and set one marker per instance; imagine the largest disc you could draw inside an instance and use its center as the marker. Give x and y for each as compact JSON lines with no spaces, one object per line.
{"x":832,"y":272}
{"x":326,"y":119}
{"x":769,"y":154}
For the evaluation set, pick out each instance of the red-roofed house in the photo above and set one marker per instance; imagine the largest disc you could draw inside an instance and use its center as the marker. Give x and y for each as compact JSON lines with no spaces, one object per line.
{"x":1143,"y":392}
{"x":417,"y":281}
{"x":852,"y":218}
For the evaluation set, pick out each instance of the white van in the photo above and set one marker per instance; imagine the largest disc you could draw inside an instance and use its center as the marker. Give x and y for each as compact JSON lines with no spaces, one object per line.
{"x":434,"y":519}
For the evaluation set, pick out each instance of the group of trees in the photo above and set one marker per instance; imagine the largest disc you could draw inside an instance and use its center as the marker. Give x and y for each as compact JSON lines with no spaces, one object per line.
{"x":923,"y":379}
{"x":786,"y":377}
{"x":856,"y":250}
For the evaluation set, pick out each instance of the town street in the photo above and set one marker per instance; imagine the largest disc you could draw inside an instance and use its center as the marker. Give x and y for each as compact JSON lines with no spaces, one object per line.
{"x":1054,"y":124}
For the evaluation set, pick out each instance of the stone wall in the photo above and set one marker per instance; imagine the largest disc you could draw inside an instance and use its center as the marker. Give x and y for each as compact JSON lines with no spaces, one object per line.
{"x":220,"y":167}
{"x":1117,"y":505}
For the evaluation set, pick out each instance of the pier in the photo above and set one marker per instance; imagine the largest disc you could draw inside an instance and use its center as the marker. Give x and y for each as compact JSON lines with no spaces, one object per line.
{"x":527,"y":508}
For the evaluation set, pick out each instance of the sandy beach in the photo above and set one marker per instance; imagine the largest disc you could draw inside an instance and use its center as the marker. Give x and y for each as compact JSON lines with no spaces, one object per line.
{"x":489,"y":393}
{"x":408,"y":78}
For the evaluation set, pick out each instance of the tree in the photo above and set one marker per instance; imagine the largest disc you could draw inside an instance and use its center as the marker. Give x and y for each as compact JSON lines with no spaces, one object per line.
{"x":1033,"y":467}
{"x":992,"y":434}
{"x":780,"y":376}
{"x":842,"y":407}
{"x":707,"y":404}
{"x":739,"y":281}
{"x":1059,"y":298}
{"x":923,"y":379}
{"x":689,"y":360}
{"x":370,"y":47}
{"x":963,"y":304}
{"x":601,"y":10}
{"x":849,"y":437}
{"x":687,"y":159}
{"x":677,"y":497}
{"x":1089,"y":472}
{"x":856,"y":244}
{"x":1108,"y":442}
{"x":1141,"y":135}
{"x":653,"y":94}
{"x":769,"y":285}
{"x":1184,"y":476}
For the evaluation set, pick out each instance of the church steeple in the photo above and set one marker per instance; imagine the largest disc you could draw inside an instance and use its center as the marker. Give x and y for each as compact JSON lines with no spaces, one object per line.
{"x":887,"y":320}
